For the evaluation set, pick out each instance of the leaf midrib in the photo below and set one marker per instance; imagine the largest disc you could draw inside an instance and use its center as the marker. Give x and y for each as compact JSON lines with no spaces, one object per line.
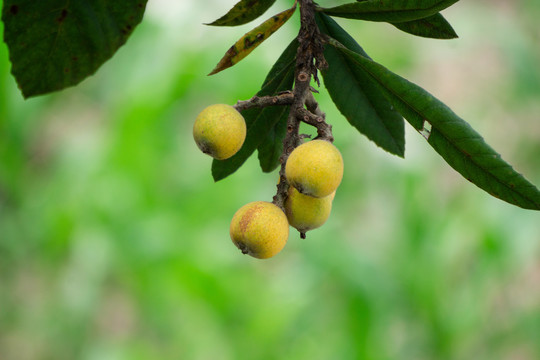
{"x":394,"y":141}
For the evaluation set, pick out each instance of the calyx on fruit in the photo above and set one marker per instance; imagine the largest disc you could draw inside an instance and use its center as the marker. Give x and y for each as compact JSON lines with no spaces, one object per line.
{"x":259,"y":229}
{"x":219,"y":131}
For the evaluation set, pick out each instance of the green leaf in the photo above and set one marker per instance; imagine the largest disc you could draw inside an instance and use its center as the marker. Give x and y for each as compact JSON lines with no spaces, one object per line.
{"x":56,"y":44}
{"x":243,"y":12}
{"x":356,"y":95}
{"x":453,"y":138}
{"x":252,"y":39}
{"x":389,"y":11}
{"x":260,"y":121}
{"x":272,"y":146}
{"x":435,"y":27}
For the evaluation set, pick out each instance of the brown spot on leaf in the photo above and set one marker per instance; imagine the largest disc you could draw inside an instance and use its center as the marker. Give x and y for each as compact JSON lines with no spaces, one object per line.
{"x":14,"y":9}
{"x":226,"y":61}
{"x":127,"y":29}
{"x":63,"y":16}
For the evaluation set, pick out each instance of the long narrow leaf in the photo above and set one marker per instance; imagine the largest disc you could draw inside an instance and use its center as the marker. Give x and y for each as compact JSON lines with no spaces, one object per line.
{"x":252,"y":39}
{"x":453,"y":138}
{"x":389,"y":11}
{"x":356,"y":95}
{"x":435,"y":27}
{"x":243,"y":12}
{"x":260,"y":121}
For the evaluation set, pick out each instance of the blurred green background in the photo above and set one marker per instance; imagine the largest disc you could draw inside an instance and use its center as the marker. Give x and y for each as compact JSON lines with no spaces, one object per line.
{"x":114,"y":238}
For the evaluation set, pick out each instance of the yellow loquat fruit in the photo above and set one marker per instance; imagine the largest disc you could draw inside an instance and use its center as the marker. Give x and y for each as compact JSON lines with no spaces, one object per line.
{"x":259,"y":229}
{"x":219,"y":131}
{"x":315,"y":168}
{"x":306,"y":212}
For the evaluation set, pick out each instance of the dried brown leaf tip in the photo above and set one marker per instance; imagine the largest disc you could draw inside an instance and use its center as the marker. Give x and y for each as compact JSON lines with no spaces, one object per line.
{"x":247,"y":43}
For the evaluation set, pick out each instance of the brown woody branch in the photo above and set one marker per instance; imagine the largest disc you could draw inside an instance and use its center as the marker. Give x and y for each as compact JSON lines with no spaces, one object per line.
{"x":315,"y":117}
{"x":284,"y":98}
{"x":309,"y":59}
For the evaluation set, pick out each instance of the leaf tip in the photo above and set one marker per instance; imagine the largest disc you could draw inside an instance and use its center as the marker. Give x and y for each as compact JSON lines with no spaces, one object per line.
{"x":450,"y":36}
{"x":213,"y":23}
{"x":28,"y":93}
{"x":215,"y":70}
{"x":397,"y":150}
{"x":215,"y":176}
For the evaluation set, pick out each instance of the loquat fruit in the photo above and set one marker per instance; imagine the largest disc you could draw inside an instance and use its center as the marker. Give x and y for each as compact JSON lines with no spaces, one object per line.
{"x":259,"y":229}
{"x":315,"y":168}
{"x":306,"y":212}
{"x":219,"y":131}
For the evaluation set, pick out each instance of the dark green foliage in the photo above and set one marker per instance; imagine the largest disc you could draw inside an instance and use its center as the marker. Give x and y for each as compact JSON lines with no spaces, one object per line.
{"x":389,"y":11}
{"x":460,"y":145}
{"x":356,"y":95}
{"x":243,"y":12}
{"x":272,"y":145}
{"x":261,"y":121}
{"x":435,"y":26}
{"x":55,"y":44}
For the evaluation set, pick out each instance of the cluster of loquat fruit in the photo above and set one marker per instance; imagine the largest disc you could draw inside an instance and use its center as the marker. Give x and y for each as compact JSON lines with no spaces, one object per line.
{"x":313,"y":170}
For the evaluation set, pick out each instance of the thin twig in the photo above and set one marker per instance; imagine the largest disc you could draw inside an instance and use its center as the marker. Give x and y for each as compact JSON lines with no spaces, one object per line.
{"x":317,"y":118}
{"x":284,"y":98}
